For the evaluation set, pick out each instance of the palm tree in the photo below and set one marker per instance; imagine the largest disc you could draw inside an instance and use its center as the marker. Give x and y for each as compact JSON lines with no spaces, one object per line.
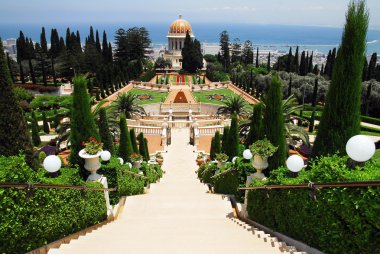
{"x":127,"y":103}
{"x":234,"y":105}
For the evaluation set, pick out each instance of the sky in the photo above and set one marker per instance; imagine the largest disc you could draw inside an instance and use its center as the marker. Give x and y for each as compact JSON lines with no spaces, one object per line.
{"x":286,"y":12}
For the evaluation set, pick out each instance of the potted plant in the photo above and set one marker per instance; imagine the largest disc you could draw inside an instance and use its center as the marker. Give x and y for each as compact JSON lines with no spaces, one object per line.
{"x":159,"y":158}
{"x":200,"y":158}
{"x":90,"y":153}
{"x":136,"y":159}
{"x":221,"y":158}
{"x":262,"y":150}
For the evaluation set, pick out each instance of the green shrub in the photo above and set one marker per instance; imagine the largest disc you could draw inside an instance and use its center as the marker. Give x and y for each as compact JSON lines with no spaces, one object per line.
{"x":48,"y":214}
{"x":208,"y":173}
{"x":41,"y":156}
{"x":152,"y":172}
{"x":227,"y":183}
{"x":341,"y":220}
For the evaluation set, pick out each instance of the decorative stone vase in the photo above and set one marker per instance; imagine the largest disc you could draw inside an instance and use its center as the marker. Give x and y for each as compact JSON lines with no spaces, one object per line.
{"x":259,"y":163}
{"x":160,"y":161}
{"x":137,"y":164}
{"x":91,"y":164}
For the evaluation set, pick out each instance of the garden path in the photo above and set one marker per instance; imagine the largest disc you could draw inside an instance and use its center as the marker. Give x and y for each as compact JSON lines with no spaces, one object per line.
{"x":177,"y":216}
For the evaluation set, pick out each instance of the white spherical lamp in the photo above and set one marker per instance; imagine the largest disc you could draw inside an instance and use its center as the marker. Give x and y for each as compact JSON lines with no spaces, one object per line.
{"x":52,"y":163}
{"x":295,"y":163}
{"x":247,"y":154}
{"x":360,"y":148}
{"x":170,"y":111}
{"x":234,"y":159}
{"x":105,"y":155}
{"x":121,"y":160}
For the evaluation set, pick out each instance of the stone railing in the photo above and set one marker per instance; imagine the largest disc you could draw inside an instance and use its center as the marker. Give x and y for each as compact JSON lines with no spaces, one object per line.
{"x":147,"y":130}
{"x":179,"y":124}
{"x":210,"y":130}
{"x":150,"y":86}
{"x":180,"y":107}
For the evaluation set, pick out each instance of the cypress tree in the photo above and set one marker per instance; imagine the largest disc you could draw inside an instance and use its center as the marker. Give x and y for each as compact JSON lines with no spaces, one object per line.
{"x":133,"y":140}
{"x":296,"y":61}
{"x":257,"y":58}
{"x":225,"y":139}
{"x":104,"y":131}
{"x":142,"y":146}
{"x":328,"y":63}
{"x":10,"y":68}
{"x":22,"y":75}
{"x":256,"y":129}
{"x":225,"y":49}
{"x":313,"y":104}
{"x":43,"y":41}
{"x":146,"y":150}
{"x":53,"y":71}
{"x":123,"y":145}
{"x":45,"y":123}
{"x":233,"y":138}
{"x":212,"y":149}
{"x":14,"y":134}
{"x":290,"y":86}
{"x":302,"y":64}
{"x":365,"y":70}
{"x":310,"y":62}
{"x":289,"y":62}
{"x":268,"y":64}
{"x":341,"y":115}
{"x":35,"y":131}
{"x":274,"y":123}
{"x":217,"y":143}
{"x":97,"y":43}
{"x":82,"y":122}
{"x":372,"y":67}
{"x":367,"y":97}
{"x":31,"y":71}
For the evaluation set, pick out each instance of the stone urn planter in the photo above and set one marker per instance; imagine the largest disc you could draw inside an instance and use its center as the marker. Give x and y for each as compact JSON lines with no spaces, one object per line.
{"x":91,"y":164}
{"x":259,"y":163}
{"x":160,"y":161}
{"x":137,"y":164}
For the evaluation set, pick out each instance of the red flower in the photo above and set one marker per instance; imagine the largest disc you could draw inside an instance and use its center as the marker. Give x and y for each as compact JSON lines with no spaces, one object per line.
{"x":83,"y":143}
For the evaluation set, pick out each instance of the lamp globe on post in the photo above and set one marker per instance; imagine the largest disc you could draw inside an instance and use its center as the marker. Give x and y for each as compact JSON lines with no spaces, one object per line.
{"x":360,"y":148}
{"x":105,"y":156}
{"x":52,"y":163}
{"x":247,"y":154}
{"x":295,"y":163}
{"x":121,"y":160}
{"x":234,"y":159}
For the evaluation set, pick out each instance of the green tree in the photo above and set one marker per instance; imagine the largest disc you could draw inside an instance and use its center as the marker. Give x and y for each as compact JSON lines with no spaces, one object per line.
{"x":43,"y":41}
{"x":35,"y":131}
{"x":224,"y":43}
{"x":372,"y":67}
{"x":226,"y":130}
{"x":341,"y":115}
{"x":289,"y":62}
{"x":313,"y":104}
{"x":142,"y":145}
{"x":82,"y":122}
{"x":274,"y":122}
{"x":296,"y":64}
{"x":104,"y":131}
{"x":146,"y":150}
{"x":257,"y":58}
{"x":268,"y":63}
{"x":233,"y":138}
{"x":14,"y":135}
{"x":45,"y":123}
{"x":256,"y":130}
{"x":125,"y":147}
{"x":234,"y":105}
{"x":133,"y":140}
{"x":212,"y":149}
{"x":217,"y":143}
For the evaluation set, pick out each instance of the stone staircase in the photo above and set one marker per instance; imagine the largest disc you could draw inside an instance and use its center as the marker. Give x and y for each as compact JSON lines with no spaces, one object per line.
{"x":177,"y":216}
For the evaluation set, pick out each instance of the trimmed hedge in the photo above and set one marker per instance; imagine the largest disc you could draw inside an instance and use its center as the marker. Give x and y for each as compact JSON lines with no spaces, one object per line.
{"x":227,"y":183}
{"x":119,"y":176}
{"x":48,"y":214}
{"x":341,"y":220}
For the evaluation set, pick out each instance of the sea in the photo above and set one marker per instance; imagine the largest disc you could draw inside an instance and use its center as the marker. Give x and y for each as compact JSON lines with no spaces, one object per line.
{"x":275,"y":37}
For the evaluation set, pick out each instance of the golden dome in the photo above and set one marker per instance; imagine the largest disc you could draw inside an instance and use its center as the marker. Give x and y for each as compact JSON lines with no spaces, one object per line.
{"x":180,"y":26}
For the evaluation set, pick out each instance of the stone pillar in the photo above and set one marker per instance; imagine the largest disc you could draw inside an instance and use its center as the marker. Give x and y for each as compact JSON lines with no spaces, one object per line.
{"x":103,"y":181}
{"x":244,"y":211}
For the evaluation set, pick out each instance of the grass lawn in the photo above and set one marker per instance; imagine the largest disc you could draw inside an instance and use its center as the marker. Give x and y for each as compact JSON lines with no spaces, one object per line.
{"x":156,"y":96}
{"x":376,"y":157}
{"x":203,"y":96}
